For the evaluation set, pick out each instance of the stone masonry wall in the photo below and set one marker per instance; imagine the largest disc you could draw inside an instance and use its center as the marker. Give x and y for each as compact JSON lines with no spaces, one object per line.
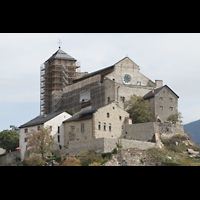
{"x":168,"y":129}
{"x":140,"y":131}
{"x":10,"y":158}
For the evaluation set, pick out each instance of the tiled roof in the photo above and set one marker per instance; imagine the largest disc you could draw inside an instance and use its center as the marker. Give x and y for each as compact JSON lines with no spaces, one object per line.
{"x":150,"y":94}
{"x":84,"y":114}
{"x":60,"y":54}
{"x":40,"y":119}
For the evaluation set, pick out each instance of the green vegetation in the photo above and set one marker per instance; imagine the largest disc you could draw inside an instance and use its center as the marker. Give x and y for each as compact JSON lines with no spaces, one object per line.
{"x":176,"y":118}
{"x":174,"y":152}
{"x":9,"y":140}
{"x":138,"y":109}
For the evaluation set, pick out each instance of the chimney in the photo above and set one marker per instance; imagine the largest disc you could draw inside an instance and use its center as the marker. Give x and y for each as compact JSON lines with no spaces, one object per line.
{"x":159,"y":83}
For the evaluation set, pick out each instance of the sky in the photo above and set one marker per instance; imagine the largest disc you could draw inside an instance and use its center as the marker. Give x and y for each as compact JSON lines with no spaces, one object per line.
{"x":171,"y":57}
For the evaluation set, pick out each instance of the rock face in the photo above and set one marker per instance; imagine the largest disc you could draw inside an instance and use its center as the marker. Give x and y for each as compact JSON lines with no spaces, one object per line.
{"x":131,"y":157}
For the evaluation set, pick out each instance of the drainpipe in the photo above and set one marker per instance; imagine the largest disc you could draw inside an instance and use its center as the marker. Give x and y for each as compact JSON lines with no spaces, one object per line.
{"x":118,"y":94}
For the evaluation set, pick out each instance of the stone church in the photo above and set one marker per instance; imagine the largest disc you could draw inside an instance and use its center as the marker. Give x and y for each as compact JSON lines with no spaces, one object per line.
{"x":64,"y":88}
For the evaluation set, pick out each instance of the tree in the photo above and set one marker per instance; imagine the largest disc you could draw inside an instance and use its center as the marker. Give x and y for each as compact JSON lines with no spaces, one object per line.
{"x":40,"y":142}
{"x":138,"y":109}
{"x":9,"y":140}
{"x":176,"y":118}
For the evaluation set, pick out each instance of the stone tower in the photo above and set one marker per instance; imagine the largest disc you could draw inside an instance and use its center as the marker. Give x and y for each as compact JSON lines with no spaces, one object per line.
{"x":57,"y":72}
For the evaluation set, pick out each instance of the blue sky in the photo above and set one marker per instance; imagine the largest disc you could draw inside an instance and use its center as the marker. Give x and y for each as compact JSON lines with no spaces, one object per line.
{"x":173,"y":58}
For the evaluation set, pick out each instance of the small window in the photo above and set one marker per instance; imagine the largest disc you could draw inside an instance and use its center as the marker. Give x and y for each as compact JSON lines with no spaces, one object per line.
{"x":109,"y":127}
{"x":99,"y":125}
{"x":65,"y":62}
{"x":171,"y":100}
{"x":104,"y":126}
{"x":171,"y":108}
{"x":161,"y":107}
{"x":25,"y":130}
{"x":108,"y":100}
{"x":139,"y":83}
{"x":72,"y":129}
{"x":58,"y":129}
{"x":164,"y":91}
{"x":120,"y":117}
{"x":25,"y":139}
{"x":108,"y":115}
{"x":38,"y":128}
{"x":70,"y":62}
{"x":59,"y":61}
{"x":58,"y":138}
{"x":161,"y":98}
{"x":82,"y":127}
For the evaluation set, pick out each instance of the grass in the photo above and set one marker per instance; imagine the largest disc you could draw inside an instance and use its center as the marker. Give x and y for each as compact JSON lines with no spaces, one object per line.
{"x":178,"y":153}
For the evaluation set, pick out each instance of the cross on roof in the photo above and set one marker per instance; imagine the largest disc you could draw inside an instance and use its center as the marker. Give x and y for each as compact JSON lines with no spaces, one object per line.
{"x":59,"y":43}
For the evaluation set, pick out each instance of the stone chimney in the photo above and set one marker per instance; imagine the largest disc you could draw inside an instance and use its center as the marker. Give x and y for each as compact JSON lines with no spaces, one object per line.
{"x":159,"y":83}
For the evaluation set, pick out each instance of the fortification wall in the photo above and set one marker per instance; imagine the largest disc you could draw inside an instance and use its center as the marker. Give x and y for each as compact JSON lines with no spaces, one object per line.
{"x":168,"y":129}
{"x":140,"y":131}
{"x":10,"y":158}
{"x":106,"y":145}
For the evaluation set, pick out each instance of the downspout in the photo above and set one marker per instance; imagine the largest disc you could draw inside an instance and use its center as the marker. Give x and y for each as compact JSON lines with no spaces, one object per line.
{"x":118,"y":94}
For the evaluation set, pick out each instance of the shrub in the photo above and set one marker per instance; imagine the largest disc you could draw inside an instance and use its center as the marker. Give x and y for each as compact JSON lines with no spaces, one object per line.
{"x":35,"y":160}
{"x":71,"y":161}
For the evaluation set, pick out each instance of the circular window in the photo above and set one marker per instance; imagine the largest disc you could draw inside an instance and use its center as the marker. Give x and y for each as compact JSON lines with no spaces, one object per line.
{"x":127,"y":79}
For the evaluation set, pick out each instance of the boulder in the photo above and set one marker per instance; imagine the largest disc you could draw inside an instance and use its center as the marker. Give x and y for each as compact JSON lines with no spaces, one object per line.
{"x":191,"y":151}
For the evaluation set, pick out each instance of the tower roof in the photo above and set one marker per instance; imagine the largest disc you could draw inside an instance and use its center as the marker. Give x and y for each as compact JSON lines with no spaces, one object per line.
{"x":60,"y":54}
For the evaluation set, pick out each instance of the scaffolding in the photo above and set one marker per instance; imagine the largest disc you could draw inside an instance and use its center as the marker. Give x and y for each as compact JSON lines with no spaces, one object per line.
{"x":54,"y":76}
{"x":88,"y":92}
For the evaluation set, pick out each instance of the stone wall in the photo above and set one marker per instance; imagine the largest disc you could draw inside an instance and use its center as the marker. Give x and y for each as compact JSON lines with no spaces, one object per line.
{"x":140,"y":131}
{"x":10,"y":158}
{"x":106,"y":145}
{"x":75,"y":147}
{"x":168,"y":129}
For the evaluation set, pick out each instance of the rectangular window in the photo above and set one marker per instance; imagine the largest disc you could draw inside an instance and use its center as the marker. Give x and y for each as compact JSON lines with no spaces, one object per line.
{"x":59,"y":61}
{"x":72,"y":129}
{"x":161,"y":98}
{"x":58,"y":129}
{"x":25,"y":139}
{"x":161,"y":107}
{"x":120,"y":117}
{"x":139,"y":83}
{"x":99,"y":125}
{"x":58,"y":138}
{"x":108,"y":115}
{"x":82,"y":127}
{"x":25,"y":130}
{"x":108,"y":100}
{"x":38,"y":128}
{"x":104,"y":126}
{"x":171,"y":108}
{"x":109,"y":127}
{"x":171,"y":100}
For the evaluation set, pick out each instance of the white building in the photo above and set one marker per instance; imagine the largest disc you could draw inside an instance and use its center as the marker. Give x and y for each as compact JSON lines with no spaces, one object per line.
{"x":54,"y":120}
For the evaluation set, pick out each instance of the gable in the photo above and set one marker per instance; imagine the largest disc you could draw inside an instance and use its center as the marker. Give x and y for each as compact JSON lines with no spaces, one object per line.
{"x":127,"y":69}
{"x":156,"y":91}
{"x":41,"y":119}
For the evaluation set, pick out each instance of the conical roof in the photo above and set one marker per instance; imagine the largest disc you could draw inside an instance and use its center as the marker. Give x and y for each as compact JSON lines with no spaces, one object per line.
{"x":60,"y":54}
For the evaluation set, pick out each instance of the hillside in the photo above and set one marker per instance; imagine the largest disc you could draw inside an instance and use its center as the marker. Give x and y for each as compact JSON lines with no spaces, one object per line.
{"x":194,"y":129}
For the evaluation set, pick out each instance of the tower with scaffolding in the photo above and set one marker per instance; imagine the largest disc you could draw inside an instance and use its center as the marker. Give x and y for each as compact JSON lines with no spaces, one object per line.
{"x":56,"y":73}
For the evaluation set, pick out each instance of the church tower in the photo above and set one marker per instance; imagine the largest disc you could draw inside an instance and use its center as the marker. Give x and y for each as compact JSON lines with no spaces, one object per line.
{"x":57,"y":72}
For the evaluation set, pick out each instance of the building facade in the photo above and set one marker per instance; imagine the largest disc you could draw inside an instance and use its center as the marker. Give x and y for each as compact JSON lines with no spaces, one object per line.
{"x":53,"y":120}
{"x":162,"y":102}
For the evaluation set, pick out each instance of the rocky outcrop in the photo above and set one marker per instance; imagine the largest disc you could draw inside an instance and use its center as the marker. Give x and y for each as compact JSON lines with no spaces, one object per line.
{"x":131,"y":157}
